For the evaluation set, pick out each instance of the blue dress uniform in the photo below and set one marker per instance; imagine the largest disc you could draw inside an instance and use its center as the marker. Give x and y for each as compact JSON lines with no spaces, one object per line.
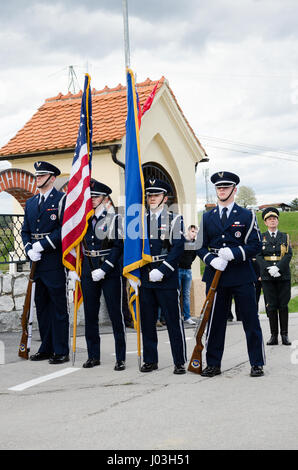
{"x":240,"y":234}
{"x":44,"y":225}
{"x":166,"y":246}
{"x":103,"y":246}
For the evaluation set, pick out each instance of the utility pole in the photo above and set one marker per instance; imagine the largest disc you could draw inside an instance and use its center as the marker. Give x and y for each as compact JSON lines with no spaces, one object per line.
{"x":206,"y":176}
{"x":73,"y":84}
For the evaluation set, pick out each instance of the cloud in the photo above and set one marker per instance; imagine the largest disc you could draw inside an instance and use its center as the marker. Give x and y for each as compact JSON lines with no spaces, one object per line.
{"x":231,"y":66}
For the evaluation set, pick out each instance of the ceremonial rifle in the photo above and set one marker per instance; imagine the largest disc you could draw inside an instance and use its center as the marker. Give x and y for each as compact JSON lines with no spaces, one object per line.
{"x":25,"y":343}
{"x":195,"y":364}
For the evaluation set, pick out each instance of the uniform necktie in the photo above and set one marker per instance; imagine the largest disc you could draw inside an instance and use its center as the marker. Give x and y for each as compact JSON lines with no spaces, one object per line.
{"x":224,"y":217}
{"x":41,"y":204}
{"x":153,"y":226}
{"x":94,"y":220}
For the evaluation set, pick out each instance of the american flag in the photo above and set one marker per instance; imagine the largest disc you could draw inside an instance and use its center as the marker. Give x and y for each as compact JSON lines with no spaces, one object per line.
{"x":78,"y":205}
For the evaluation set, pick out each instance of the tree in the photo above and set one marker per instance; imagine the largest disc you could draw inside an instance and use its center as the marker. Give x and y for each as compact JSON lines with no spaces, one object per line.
{"x":294,"y":204}
{"x":246,"y":196}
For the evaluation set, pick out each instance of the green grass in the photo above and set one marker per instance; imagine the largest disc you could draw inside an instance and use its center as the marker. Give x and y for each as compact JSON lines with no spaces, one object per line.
{"x":288,"y":222}
{"x":293,"y":305}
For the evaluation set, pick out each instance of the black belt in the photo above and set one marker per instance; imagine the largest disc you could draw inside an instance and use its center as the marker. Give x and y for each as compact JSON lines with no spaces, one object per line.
{"x":96,"y":253}
{"x":157,"y":258}
{"x":39,"y":236}
{"x":214,"y":250}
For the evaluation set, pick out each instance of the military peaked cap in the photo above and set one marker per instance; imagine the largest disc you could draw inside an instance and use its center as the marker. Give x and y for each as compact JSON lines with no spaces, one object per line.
{"x":270,"y":212}
{"x":99,"y":189}
{"x":225,"y":178}
{"x":45,"y":168}
{"x":156,"y":186}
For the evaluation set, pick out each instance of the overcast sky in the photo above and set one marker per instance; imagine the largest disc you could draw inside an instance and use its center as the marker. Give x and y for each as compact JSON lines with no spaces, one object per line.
{"x":232,"y":65}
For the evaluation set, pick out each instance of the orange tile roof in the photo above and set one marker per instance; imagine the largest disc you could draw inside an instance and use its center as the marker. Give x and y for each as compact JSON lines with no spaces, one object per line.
{"x":55,"y":124}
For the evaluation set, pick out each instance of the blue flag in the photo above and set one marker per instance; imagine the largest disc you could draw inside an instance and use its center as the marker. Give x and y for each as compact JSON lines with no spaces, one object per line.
{"x":136,"y":243}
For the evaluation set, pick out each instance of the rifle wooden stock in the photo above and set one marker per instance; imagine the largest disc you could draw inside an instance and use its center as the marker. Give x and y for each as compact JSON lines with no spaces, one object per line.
{"x":195,"y":364}
{"x":23,"y":350}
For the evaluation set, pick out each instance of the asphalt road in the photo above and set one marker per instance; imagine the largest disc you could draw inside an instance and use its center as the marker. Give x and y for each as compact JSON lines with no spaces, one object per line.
{"x":68,"y":407}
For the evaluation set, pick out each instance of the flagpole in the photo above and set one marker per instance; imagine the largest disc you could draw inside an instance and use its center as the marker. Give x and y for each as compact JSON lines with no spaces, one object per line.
{"x":138,"y":329}
{"x":126,"y":34}
{"x":127,"y":66}
{"x":75,"y":313}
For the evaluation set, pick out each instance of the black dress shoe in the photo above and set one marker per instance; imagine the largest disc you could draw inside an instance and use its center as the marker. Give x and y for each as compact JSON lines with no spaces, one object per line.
{"x":179,"y":370}
{"x":211,"y":371}
{"x":285,"y":340}
{"x":91,"y":363}
{"x":256,"y":371}
{"x":120,"y":365}
{"x":58,"y":359}
{"x":273,"y":341}
{"x":146,"y":367}
{"x":40,"y":356}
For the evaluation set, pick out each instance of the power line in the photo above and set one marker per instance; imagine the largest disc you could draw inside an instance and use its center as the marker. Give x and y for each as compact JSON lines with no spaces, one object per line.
{"x":250,"y":149}
{"x":243,"y":144}
{"x":252,"y":153}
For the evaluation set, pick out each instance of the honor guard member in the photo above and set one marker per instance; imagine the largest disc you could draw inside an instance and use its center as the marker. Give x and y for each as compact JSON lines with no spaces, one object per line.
{"x":102,"y":250}
{"x":41,"y":235}
{"x":159,"y":279}
{"x":229,"y":239}
{"x":274,"y":262}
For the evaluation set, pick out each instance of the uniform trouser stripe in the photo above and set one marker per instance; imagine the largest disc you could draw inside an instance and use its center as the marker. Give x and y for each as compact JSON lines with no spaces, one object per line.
{"x":168,"y":301}
{"x":181,"y":326}
{"x":210,"y":320}
{"x":112,"y":291}
{"x":52,"y":312}
{"x":245,"y":297}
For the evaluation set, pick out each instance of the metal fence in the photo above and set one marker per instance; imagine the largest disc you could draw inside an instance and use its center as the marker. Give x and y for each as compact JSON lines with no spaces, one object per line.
{"x":11,"y":245}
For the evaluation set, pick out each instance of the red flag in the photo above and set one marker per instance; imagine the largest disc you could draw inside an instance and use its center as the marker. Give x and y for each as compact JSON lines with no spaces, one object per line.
{"x":149,"y":100}
{"x":147,"y":105}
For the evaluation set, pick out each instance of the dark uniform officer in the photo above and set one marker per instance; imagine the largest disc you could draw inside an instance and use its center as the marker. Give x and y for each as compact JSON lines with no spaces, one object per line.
{"x":274,"y":262}
{"x":41,"y":235}
{"x":159,"y":279}
{"x":103,"y":246}
{"x":229,"y":238}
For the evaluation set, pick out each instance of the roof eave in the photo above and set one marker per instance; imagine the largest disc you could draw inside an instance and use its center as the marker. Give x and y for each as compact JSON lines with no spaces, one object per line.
{"x":45,"y":153}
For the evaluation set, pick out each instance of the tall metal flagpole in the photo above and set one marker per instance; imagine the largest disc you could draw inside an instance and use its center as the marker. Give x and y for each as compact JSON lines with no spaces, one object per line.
{"x":126,"y":34}
{"x":127,"y":66}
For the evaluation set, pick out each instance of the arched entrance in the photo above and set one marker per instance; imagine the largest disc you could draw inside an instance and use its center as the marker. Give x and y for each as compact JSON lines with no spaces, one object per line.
{"x":20,"y":184}
{"x":154,"y":170}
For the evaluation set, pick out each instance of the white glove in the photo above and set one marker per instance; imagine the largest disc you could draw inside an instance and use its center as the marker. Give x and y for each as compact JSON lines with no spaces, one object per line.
{"x":155,"y":275}
{"x":273,"y":271}
{"x":98,"y":274}
{"x":72,"y":278}
{"x":219,"y":263}
{"x":135,"y":285}
{"x":37,"y":248}
{"x":33,"y":255}
{"x":226,"y":254}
